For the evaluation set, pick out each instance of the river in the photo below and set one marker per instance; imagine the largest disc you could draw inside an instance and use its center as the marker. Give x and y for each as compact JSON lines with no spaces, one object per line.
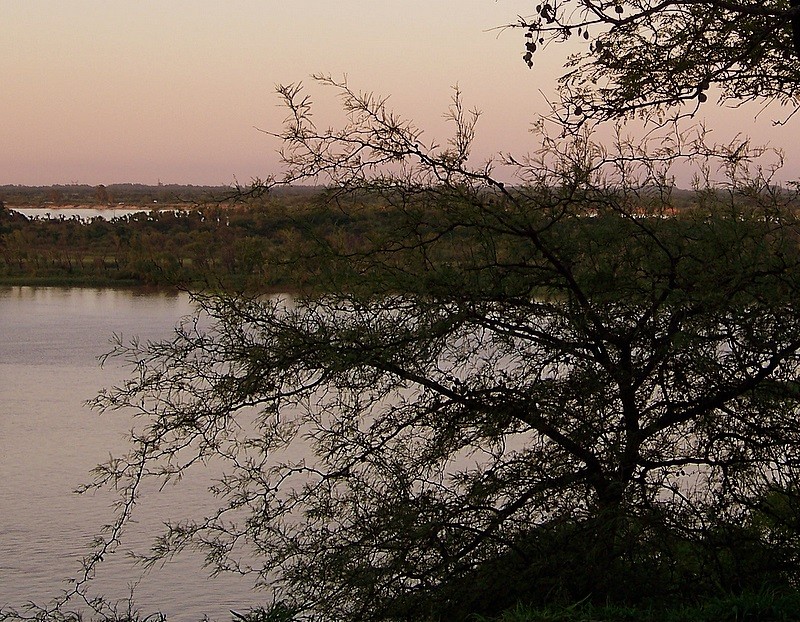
{"x":50,"y":341}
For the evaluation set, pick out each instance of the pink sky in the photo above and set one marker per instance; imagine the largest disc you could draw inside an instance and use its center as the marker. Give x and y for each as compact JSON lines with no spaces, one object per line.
{"x":108,"y":91}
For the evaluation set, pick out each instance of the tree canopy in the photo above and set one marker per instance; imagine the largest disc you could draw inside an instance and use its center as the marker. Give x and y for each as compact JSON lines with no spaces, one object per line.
{"x":645,"y":54}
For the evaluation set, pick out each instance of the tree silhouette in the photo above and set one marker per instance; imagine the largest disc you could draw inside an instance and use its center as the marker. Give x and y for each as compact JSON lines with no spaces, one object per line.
{"x":563,"y":389}
{"x":646,"y":54}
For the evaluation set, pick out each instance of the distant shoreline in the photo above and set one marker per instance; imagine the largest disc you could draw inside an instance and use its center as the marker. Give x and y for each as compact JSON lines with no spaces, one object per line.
{"x":120,"y":206}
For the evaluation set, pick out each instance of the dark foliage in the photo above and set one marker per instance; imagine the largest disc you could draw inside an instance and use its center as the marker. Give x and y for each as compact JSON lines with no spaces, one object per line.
{"x":559,"y":391}
{"x":636,"y":56}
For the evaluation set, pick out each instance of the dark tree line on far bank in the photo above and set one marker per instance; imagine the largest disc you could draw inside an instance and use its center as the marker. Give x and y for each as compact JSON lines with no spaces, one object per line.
{"x":182,"y":245}
{"x":125,"y":194}
{"x":191,"y":239}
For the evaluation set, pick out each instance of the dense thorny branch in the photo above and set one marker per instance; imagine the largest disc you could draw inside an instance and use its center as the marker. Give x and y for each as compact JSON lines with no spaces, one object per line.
{"x":642,"y":55}
{"x":494,"y":371}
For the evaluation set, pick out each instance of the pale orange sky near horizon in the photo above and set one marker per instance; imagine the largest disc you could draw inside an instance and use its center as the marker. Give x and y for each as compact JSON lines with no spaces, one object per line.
{"x":111,"y":91}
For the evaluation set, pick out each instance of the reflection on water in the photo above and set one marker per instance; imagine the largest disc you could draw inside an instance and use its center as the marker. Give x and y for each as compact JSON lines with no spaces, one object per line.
{"x":50,"y":341}
{"x":73,"y":326}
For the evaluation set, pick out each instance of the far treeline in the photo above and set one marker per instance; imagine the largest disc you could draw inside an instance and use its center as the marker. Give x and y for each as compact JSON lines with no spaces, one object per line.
{"x":197,"y":236}
{"x":116,"y":195}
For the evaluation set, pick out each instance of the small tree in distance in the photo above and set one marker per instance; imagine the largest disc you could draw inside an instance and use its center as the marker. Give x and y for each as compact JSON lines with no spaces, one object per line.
{"x":554,"y":390}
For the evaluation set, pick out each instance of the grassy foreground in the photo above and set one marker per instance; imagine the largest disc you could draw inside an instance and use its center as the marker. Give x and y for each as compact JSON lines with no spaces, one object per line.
{"x":759,"y":607}
{"x":763,"y":606}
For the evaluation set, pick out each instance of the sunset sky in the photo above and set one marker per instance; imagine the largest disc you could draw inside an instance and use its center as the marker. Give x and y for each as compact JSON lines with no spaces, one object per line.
{"x":108,"y":91}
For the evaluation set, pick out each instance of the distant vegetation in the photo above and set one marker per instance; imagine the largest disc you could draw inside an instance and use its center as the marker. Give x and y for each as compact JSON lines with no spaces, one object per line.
{"x":102,"y":195}
{"x":195,"y":236}
{"x":131,"y":195}
{"x":183,"y":235}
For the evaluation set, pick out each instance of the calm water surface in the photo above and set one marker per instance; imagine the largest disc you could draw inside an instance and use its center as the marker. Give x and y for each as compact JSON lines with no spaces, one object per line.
{"x":50,"y":339}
